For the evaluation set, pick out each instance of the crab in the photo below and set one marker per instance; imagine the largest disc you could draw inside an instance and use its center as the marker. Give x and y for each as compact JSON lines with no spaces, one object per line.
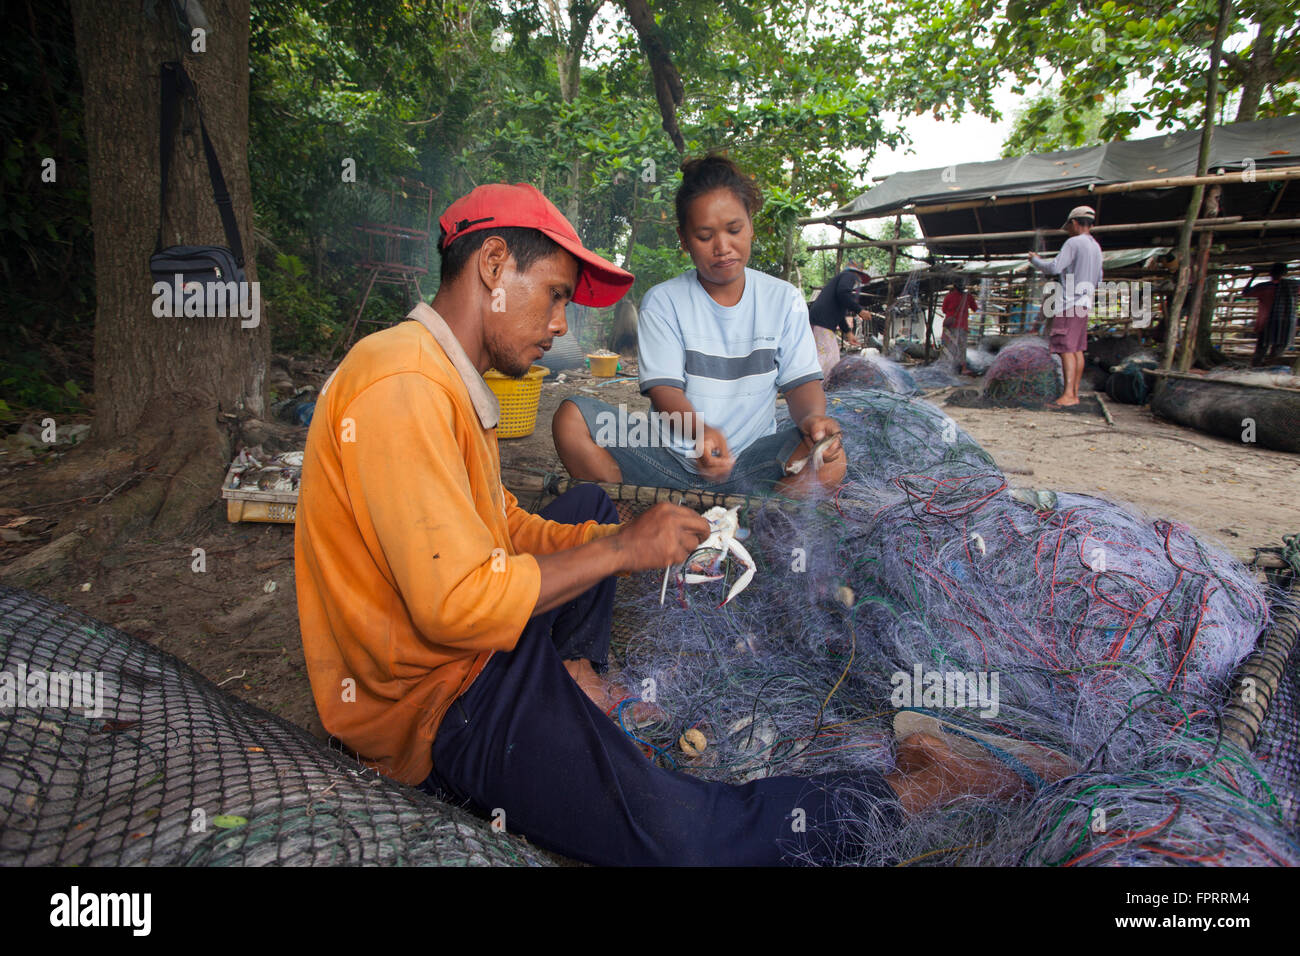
{"x":816,"y":456}
{"x":705,"y":562}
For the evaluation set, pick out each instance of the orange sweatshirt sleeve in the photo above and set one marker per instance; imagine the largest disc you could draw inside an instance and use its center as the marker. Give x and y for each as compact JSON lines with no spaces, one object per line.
{"x":458,"y":582}
{"x":533,"y":534}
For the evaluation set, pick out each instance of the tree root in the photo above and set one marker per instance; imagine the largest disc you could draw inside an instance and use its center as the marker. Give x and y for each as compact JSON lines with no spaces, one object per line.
{"x":158,"y":479}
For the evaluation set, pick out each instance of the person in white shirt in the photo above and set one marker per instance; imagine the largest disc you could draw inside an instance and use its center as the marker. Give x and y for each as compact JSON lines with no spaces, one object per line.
{"x":716,"y":345}
{"x":1078,"y":268}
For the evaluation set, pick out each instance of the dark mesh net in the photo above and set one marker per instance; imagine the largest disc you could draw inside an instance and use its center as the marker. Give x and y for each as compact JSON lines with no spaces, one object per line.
{"x":1269,"y":417}
{"x":174,"y":771}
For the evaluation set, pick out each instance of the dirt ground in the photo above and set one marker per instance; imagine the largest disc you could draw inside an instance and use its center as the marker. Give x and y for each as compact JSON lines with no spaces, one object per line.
{"x":236,"y":621}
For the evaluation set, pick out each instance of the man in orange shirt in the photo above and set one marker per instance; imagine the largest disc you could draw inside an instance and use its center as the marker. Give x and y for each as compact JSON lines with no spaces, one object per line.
{"x":452,"y":639}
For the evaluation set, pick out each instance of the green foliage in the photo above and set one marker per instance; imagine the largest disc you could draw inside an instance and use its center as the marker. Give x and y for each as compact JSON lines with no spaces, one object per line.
{"x":456,"y":94}
{"x":1099,"y":52}
{"x":480,"y":100}
{"x":658,"y":263}
{"x":304,"y":316}
{"x":1043,"y":124}
{"x":46,"y":281}
{"x":820,"y":265}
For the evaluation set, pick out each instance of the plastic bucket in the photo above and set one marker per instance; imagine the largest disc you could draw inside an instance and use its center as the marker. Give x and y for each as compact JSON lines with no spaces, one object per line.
{"x":518,"y":399}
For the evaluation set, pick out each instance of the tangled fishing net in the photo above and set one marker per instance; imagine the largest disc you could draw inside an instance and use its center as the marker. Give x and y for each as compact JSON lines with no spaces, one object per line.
{"x":926,"y":581}
{"x":1024,"y":373}
{"x":936,"y":375}
{"x":174,"y":771}
{"x":978,"y":360}
{"x":871,"y":371}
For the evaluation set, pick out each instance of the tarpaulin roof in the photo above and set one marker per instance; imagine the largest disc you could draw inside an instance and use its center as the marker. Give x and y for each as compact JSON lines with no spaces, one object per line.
{"x":1266,"y":143}
{"x":1023,"y":194}
{"x":1111,"y":261}
{"x":942,"y":274}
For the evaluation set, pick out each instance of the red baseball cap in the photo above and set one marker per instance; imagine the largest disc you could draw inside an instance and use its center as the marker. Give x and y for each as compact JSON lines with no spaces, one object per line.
{"x":499,"y":206}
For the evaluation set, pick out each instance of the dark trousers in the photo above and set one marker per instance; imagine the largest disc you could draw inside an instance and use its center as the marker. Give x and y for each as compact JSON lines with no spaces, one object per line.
{"x":1266,"y":352}
{"x":526,"y":742}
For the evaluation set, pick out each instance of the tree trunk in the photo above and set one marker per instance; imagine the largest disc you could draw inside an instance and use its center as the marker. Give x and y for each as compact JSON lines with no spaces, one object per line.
{"x":1207,"y":356}
{"x":1192,"y":337}
{"x":160,"y":383}
{"x":568,"y":61}
{"x":568,"y":64}
{"x":632,"y":223}
{"x":787,"y":256}
{"x":1198,"y":191}
{"x":1256,"y":73}
{"x":667,"y":81}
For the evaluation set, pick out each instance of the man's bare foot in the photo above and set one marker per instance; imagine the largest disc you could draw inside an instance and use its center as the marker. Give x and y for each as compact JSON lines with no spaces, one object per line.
{"x":607,"y":695}
{"x":1063,"y":401}
{"x":931,"y":772}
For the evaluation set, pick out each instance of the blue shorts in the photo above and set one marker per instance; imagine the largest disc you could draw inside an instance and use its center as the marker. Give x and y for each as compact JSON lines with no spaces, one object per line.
{"x":758,"y":467}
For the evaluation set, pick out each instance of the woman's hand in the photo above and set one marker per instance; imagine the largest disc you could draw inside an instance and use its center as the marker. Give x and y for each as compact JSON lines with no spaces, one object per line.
{"x":816,"y":427}
{"x":715,"y":460}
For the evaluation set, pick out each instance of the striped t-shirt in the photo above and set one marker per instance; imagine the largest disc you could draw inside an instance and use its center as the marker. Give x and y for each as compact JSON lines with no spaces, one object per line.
{"x":730,"y":360}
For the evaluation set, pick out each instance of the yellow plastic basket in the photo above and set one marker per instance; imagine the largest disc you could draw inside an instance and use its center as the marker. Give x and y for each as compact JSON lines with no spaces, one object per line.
{"x":518,"y":399}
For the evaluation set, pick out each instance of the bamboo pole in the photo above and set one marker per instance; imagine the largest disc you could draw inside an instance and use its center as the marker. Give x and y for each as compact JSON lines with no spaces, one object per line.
{"x":1257,"y":224}
{"x":889,"y":299}
{"x":1192,"y":377}
{"x":1104,"y":410}
{"x":1219,"y":224}
{"x":521,"y":485}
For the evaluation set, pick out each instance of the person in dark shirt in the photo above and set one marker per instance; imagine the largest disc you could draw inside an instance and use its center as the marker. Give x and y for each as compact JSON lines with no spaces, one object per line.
{"x":1275,"y":322}
{"x":828,"y":313}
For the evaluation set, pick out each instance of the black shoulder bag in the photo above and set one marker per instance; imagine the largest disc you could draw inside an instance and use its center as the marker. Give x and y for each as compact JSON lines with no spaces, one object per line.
{"x":201,"y":264}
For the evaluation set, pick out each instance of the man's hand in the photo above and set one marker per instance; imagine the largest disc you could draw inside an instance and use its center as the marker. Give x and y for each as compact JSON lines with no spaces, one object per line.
{"x":663,"y":535}
{"x":715,"y":460}
{"x":815,"y":428}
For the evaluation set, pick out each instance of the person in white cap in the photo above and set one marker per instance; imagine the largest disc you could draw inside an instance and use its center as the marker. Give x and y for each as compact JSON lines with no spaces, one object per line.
{"x":1078,"y":268}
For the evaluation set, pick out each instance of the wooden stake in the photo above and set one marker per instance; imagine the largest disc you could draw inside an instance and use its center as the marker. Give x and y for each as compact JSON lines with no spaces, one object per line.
{"x":1104,"y":410}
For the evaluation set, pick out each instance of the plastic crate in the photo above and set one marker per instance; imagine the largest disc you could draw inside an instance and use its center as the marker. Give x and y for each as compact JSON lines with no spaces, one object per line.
{"x":253,"y":504}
